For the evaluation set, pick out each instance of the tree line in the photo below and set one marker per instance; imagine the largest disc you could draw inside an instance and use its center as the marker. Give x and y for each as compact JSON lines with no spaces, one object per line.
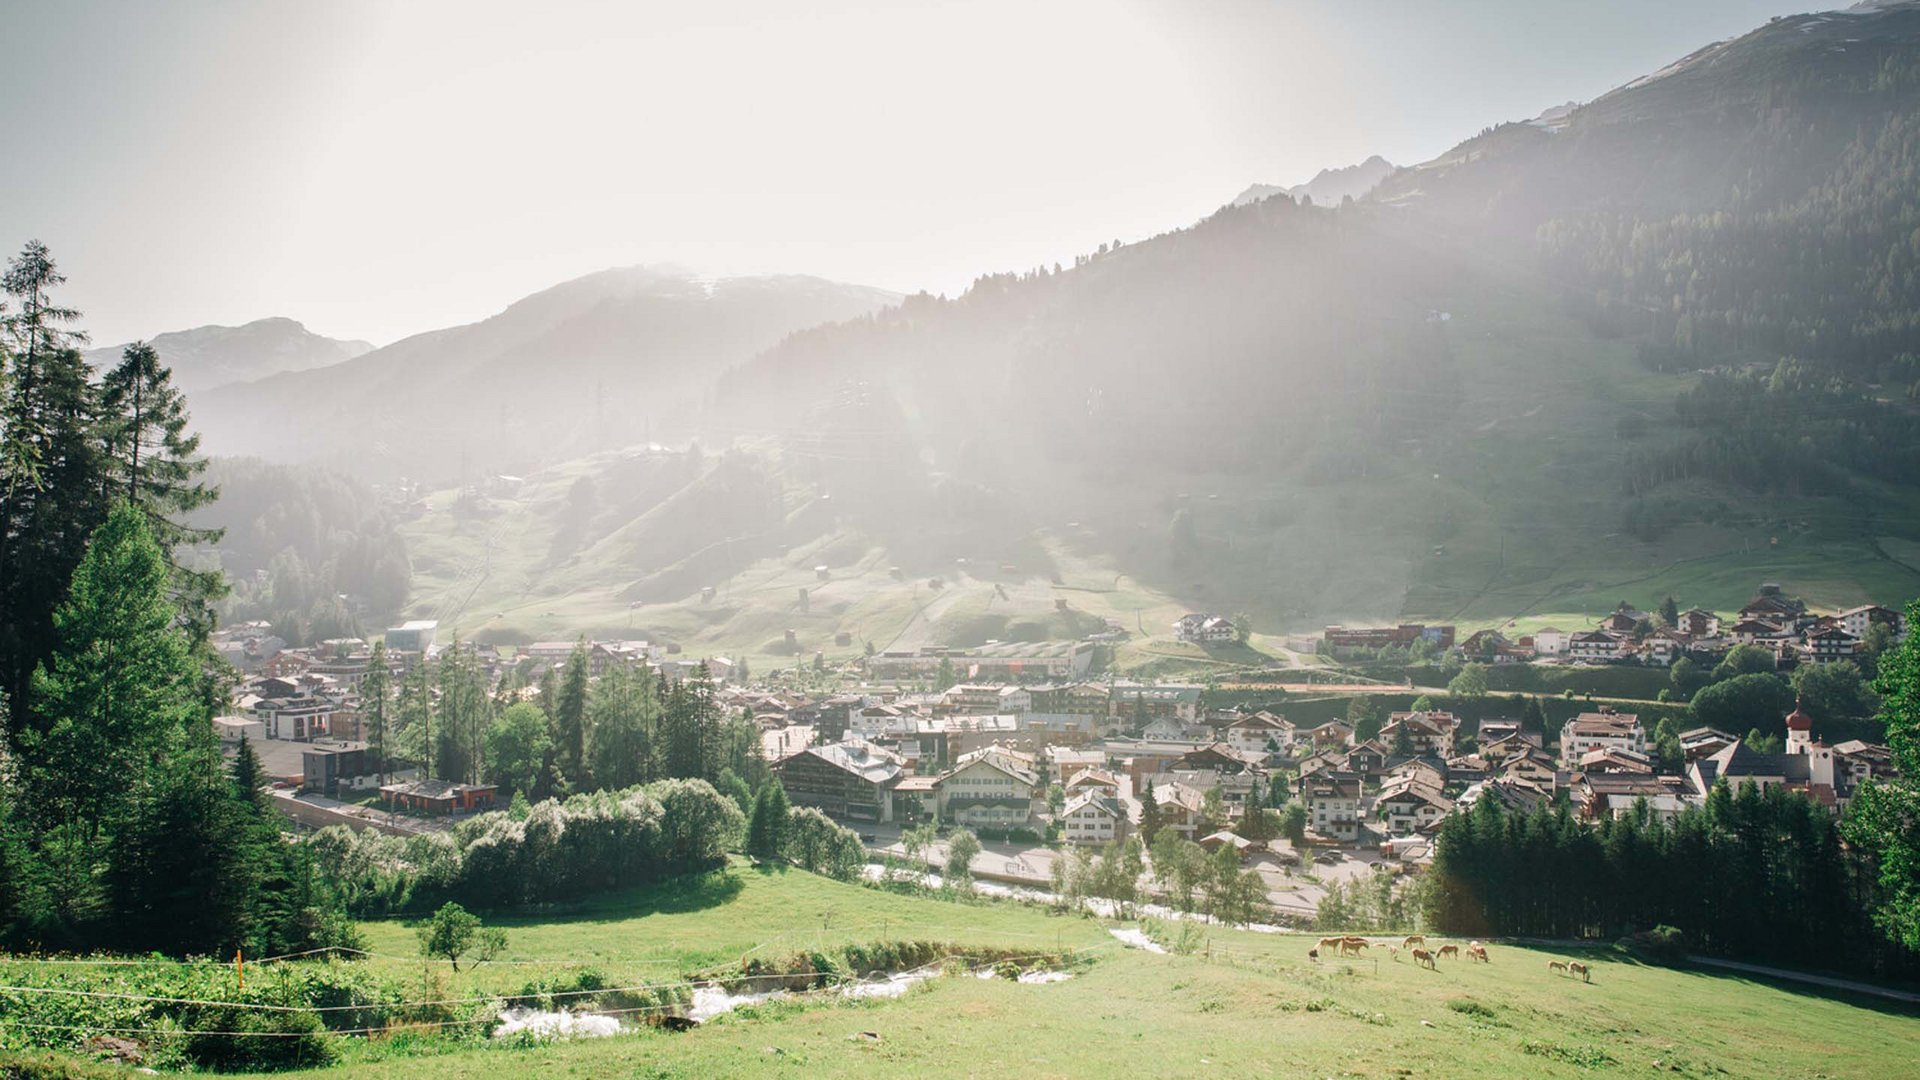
{"x":120,"y":824}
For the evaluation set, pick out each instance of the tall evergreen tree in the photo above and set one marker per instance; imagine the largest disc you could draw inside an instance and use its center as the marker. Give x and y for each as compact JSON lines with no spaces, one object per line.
{"x":625,"y":716}
{"x":153,"y":462}
{"x":177,"y":865}
{"x":570,"y":717}
{"x":376,"y":690}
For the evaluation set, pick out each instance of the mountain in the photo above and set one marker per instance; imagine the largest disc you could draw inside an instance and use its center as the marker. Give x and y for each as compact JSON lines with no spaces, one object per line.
{"x":1329,"y":186}
{"x":1659,"y":344}
{"x":608,"y":359}
{"x":210,"y":356}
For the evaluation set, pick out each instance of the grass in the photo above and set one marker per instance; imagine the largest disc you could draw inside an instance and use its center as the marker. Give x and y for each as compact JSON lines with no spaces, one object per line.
{"x":1245,"y":1005}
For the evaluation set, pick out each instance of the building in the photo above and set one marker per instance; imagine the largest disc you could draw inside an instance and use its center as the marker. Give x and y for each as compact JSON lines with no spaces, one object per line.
{"x":1202,"y":628}
{"x":335,"y":767}
{"x":1603,"y":730}
{"x":1597,"y":645}
{"x":1332,"y":802}
{"x":852,"y":779}
{"x":1698,"y":623}
{"x":1857,"y":621}
{"x":1550,"y":641}
{"x":1829,"y":643}
{"x":1093,"y":817}
{"x":1259,"y":734}
{"x":1613,"y":795}
{"x":415,"y":636}
{"x":439,"y":796}
{"x":1430,"y":733}
{"x":1003,"y":661}
{"x":994,"y":788}
{"x":1705,"y":742}
{"x":1342,"y":637}
{"x":1410,"y":805}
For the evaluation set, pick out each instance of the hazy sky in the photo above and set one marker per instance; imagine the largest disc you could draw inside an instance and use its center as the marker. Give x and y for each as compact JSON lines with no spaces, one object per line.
{"x":375,"y":169}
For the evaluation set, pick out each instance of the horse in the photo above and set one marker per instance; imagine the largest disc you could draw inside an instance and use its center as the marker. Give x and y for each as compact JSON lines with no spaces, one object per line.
{"x":1412,"y":940}
{"x":1477,"y":951}
{"x":1557,"y":965}
{"x":1422,"y":956}
{"x":1580,"y":969}
{"x":1449,"y":951}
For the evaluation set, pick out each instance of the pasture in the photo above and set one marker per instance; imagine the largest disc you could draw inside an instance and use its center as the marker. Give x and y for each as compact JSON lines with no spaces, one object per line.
{"x":1242,"y":1004}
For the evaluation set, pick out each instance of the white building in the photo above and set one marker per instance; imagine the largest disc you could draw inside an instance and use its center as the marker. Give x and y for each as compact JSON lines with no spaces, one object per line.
{"x":1093,"y":818}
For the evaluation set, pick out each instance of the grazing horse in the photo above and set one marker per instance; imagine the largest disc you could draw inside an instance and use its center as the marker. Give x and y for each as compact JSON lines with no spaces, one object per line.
{"x":1449,"y":951}
{"x":1477,"y":951}
{"x":1557,"y":965}
{"x":1412,"y":940}
{"x":1580,"y":969}
{"x":1393,"y":952}
{"x":1352,"y":946}
{"x":1422,"y":956}
{"x":1330,"y":943}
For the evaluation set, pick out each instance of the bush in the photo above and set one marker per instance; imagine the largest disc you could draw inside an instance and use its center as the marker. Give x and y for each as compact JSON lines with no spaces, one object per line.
{"x":229,"y":1039}
{"x":1662,"y":944}
{"x":47,"y":1066}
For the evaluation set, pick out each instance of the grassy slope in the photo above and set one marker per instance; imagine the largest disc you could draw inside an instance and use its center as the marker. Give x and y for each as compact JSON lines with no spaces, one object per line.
{"x":1243,"y":1011}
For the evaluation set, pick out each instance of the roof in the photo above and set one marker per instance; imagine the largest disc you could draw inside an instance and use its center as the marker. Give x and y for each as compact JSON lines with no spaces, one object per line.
{"x":1226,"y":836}
{"x":1105,"y":804}
{"x":1798,"y":720}
{"x":859,"y":757}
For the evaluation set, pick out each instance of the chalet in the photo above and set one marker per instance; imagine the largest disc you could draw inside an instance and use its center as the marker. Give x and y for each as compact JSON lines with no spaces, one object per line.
{"x":1204,"y":629}
{"x":1093,"y":818}
{"x":1213,"y":842}
{"x":989,"y":698}
{"x":1068,"y":762}
{"x":1513,"y":794}
{"x":1532,"y":769}
{"x":1857,"y":621}
{"x":1862,"y":761}
{"x":1331,"y":733}
{"x":1623,"y":621}
{"x":1601,"y":730}
{"x":1506,"y":746}
{"x":1332,"y":757}
{"x":1415,"y":770}
{"x":1260,"y":734}
{"x":993,"y":787}
{"x":1182,"y":808}
{"x":1430,"y":733}
{"x":1128,"y":700}
{"x":1772,"y":605}
{"x":852,"y":779}
{"x":1332,"y":802}
{"x":1830,"y":643}
{"x":1410,"y":806}
{"x":1752,"y":631}
{"x":1216,"y":757}
{"x":1098,"y":781}
{"x":1664,"y":646}
{"x":1076,"y":699}
{"x":1698,"y":623}
{"x":1367,"y":758}
{"x":1601,"y":645}
{"x":1494,"y":729}
{"x":1468,"y":769}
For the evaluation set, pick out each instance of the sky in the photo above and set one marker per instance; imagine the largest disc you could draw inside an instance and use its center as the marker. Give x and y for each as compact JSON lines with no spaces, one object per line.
{"x":379,"y":169}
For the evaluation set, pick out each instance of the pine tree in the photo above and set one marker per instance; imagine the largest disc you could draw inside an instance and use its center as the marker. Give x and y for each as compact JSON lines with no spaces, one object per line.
{"x":153,"y":462}
{"x":52,"y":485}
{"x":375,"y":690}
{"x":767,"y":827}
{"x":625,"y":715}
{"x":177,"y":863}
{"x":570,"y":717}
{"x":1150,"y":818}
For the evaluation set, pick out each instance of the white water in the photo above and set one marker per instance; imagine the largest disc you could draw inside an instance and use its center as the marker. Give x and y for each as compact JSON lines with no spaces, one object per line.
{"x":1134,"y":938}
{"x":711,"y":1001}
{"x":890,"y":987}
{"x":555,"y":1025}
{"x":1106,"y":909}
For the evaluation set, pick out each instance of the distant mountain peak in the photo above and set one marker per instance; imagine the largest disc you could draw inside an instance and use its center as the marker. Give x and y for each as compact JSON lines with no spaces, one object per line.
{"x":214,"y":355}
{"x":1329,"y":187}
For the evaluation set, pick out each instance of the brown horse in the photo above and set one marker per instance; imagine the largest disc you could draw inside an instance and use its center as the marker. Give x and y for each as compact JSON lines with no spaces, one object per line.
{"x":1477,"y":951}
{"x":1413,"y":939}
{"x":1449,"y":951}
{"x":1577,"y":968}
{"x":1557,"y":965}
{"x":1422,"y":956}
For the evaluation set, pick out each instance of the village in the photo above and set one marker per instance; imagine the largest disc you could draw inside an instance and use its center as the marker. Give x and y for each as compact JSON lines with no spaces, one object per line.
{"x":1034,"y":752}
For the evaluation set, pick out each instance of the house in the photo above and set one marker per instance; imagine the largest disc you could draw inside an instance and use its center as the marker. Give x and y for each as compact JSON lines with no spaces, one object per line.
{"x":1415,"y":770}
{"x":1409,"y":806}
{"x":1341,"y":637}
{"x":1067,"y":762}
{"x":1664,"y":646}
{"x":1862,"y":761}
{"x":1624,"y":620}
{"x":1260,"y":734}
{"x":1809,"y":774}
{"x":1551,"y":641}
{"x":1181,"y":807}
{"x":1332,"y":803}
{"x":1331,"y":733}
{"x":1858,"y":620}
{"x":1430,"y":733}
{"x":439,"y":796}
{"x":1494,"y":729}
{"x":1367,"y":758}
{"x":1751,"y":631}
{"x":1772,"y":605}
{"x":989,"y":698}
{"x":1601,"y":730}
{"x":1506,"y":746}
{"x":1093,"y":817}
{"x":1698,"y":623}
{"x":1098,"y":781}
{"x":1127,"y":701}
{"x":1597,"y":645}
{"x":1613,"y":795}
{"x":1534,"y":769}
{"x":1202,"y":628}
{"x":296,"y":718}
{"x":1613,"y":759}
{"x":1514,"y":794}
{"x":1216,"y":757}
{"x":1469,"y":769}
{"x":993,"y":787}
{"x":1830,"y":643}
{"x":1213,"y":842}
{"x":852,"y":779}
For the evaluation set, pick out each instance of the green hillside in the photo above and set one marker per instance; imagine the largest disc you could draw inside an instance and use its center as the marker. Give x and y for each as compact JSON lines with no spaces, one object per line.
{"x":1244,"y":1004}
